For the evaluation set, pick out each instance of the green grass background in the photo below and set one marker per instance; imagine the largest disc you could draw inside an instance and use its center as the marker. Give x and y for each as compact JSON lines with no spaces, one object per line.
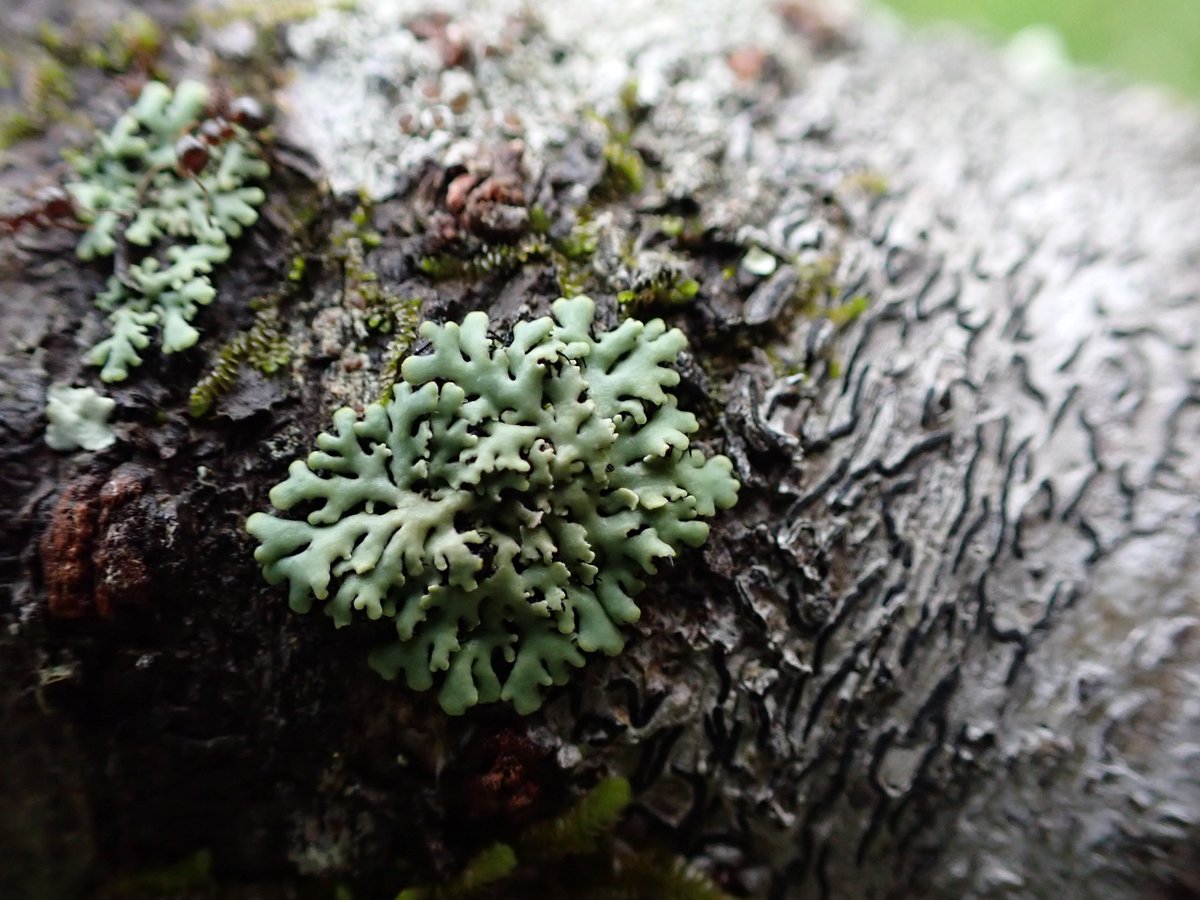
{"x":1150,"y":40}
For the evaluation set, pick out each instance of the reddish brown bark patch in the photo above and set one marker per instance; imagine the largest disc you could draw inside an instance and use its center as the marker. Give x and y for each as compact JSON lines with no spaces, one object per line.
{"x":93,"y":552}
{"x":489,"y":198}
{"x":121,"y":573}
{"x":66,"y":548}
{"x":512,"y":774}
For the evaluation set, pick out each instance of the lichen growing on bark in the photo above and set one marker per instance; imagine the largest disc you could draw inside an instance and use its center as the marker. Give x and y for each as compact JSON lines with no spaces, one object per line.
{"x":78,"y":419}
{"x":177,"y":199}
{"x":502,"y":505}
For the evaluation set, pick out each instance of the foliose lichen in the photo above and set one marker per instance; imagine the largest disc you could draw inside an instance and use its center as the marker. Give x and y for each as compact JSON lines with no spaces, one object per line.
{"x":502,"y":506}
{"x":78,"y":419}
{"x":165,"y":204}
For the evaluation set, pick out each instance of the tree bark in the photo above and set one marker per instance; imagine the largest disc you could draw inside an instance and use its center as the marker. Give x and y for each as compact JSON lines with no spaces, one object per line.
{"x":948,"y":642}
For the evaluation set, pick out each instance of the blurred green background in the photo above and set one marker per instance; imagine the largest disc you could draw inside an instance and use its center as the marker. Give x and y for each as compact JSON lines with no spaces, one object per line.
{"x":1150,"y":40}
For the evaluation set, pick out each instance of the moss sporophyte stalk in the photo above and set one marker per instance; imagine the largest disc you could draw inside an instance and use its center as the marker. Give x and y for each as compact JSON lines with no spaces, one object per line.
{"x":502,"y":506}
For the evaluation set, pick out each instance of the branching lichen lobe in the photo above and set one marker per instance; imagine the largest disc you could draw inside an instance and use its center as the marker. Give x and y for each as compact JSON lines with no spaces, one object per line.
{"x":174,"y":197}
{"x":502,"y":505}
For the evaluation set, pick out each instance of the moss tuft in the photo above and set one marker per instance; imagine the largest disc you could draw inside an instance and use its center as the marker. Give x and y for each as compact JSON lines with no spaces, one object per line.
{"x":263,"y":346}
{"x":487,"y":260}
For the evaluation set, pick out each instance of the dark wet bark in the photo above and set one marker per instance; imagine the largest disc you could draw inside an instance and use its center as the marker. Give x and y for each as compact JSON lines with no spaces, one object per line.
{"x":947,"y":644}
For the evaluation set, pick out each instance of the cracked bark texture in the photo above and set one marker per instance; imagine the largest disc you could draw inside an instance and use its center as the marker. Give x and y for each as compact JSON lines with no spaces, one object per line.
{"x":947,"y":645}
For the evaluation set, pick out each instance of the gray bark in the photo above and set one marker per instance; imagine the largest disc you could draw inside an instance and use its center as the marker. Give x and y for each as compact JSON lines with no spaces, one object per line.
{"x":948,"y":644}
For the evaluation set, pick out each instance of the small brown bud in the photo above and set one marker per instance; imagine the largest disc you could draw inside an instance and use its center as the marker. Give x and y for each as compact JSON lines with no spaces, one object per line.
{"x":191,"y":155}
{"x":249,"y":113}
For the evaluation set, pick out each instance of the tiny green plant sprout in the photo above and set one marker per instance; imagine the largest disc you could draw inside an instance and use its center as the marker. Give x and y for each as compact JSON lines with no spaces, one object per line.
{"x":163,"y":193}
{"x":502,"y":505}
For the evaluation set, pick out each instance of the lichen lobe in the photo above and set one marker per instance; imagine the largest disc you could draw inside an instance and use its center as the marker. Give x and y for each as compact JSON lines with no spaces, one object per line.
{"x":503,"y":505}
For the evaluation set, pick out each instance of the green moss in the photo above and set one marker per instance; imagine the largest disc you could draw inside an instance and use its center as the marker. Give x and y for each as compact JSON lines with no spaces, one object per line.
{"x":628,"y":97}
{"x":185,"y":878}
{"x":579,"y":244}
{"x":267,"y":349}
{"x":400,"y":321}
{"x":502,"y":505}
{"x":667,"y":287}
{"x":17,"y":125}
{"x":539,"y":220}
{"x":573,"y":280}
{"x":574,"y":854}
{"x":382,"y":311}
{"x":361,"y":216}
{"x":579,"y":830}
{"x":360,"y":285}
{"x":847,"y":312}
{"x":817,"y":289}
{"x":624,"y":169}
{"x":133,"y":40}
{"x":45,"y":89}
{"x":263,"y":346}
{"x":44,"y":72}
{"x":816,"y":286}
{"x":51,"y":83}
{"x":781,"y":365}
{"x":654,"y":874}
{"x":486,"y":868}
{"x":572,"y":258}
{"x":269,"y":14}
{"x":672,"y":226}
{"x":487,"y":259}
{"x":50,"y":36}
{"x":868,"y":181}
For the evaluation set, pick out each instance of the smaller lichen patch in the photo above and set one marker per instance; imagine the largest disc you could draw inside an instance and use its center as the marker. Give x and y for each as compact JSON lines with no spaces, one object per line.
{"x":164,"y":203}
{"x":78,"y":419}
{"x":758,"y":261}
